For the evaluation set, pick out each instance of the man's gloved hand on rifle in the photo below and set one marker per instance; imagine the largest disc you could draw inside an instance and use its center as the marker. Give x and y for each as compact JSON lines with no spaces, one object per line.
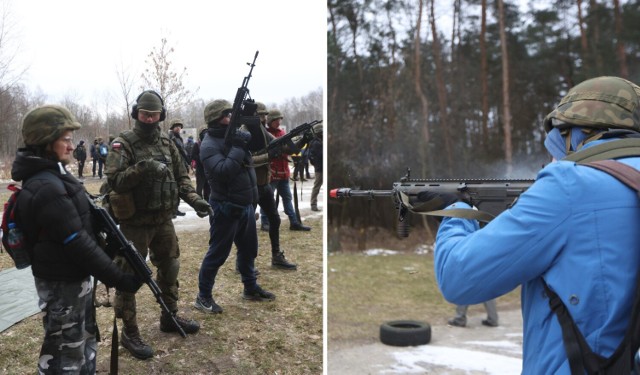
{"x":308,"y":136}
{"x":241,"y":138}
{"x":152,"y":167}
{"x":275,"y":152}
{"x":433,"y":201}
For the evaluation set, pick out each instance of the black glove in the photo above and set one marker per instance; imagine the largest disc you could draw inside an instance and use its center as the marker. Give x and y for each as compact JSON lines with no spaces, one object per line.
{"x":128,"y":283}
{"x":439,"y":201}
{"x":275,"y":152}
{"x":241,"y":138}
{"x":152,"y":167}
{"x":308,"y":136}
{"x":202,"y":207}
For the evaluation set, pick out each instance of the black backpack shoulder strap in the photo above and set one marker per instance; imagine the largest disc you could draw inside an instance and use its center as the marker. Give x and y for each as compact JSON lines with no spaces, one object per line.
{"x":579,"y":354}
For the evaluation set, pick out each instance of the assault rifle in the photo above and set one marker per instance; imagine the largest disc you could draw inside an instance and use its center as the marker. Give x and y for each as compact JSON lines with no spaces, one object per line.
{"x":287,"y":139}
{"x":239,"y":104}
{"x":117,"y":243}
{"x":490,"y":197}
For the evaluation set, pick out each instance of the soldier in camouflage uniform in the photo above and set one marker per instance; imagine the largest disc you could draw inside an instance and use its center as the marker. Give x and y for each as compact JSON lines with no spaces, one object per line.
{"x":148,"y":175}
{"x":54,"y":212}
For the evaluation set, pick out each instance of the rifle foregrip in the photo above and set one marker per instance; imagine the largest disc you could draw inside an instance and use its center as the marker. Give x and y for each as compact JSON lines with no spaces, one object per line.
{"x":402,"y":227}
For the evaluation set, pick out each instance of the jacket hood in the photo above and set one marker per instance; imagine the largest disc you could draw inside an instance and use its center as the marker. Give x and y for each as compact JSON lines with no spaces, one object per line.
{"x":26,"y":164}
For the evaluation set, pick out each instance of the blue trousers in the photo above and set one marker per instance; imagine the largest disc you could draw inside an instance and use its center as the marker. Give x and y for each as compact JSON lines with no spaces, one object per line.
{"x":284,"y":191}
{"x":228,"y":226}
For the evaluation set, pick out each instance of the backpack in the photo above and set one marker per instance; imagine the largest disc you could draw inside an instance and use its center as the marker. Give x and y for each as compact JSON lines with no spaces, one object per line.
{"x":14,"y":240}
{"x":80,"y":153}
{"x":103,"y":150}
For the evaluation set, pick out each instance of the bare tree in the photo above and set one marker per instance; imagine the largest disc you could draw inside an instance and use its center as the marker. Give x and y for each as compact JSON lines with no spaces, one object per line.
{"x":10,"y":73}
{"x":160,"y":75}
{"x":126,"y":81}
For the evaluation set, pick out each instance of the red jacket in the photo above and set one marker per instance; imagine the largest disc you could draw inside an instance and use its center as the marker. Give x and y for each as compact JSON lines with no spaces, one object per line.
{"x":279,"y":165}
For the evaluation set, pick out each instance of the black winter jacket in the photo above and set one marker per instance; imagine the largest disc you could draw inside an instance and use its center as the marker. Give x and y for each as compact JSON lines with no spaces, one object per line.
{"x":230,"y":174}
{"x":55,"y":213}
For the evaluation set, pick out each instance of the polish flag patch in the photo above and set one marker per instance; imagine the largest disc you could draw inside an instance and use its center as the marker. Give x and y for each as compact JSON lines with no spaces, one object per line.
{"x":116,"y":145}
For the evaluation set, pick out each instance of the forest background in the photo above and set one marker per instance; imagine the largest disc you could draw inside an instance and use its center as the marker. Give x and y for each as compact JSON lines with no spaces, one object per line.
{"x":455,"y":91}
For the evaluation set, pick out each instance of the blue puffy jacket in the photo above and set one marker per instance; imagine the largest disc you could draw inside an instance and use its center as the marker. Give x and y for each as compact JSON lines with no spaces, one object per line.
{"x":577,"y":228}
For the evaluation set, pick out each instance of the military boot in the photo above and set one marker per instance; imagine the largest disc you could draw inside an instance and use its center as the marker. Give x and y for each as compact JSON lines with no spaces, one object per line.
{"x":279,"y":261}
{"x":134,"y":344}
{"x":167,"y":325}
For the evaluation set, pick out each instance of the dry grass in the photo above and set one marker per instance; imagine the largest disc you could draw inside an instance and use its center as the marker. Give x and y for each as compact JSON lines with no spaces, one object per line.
{"x":280,"y":337}
{"x":365,"y":291}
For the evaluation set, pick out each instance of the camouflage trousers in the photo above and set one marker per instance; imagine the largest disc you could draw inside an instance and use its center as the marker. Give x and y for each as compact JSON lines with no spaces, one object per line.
{"x":161,"y":243}
{"x":69,"y":323}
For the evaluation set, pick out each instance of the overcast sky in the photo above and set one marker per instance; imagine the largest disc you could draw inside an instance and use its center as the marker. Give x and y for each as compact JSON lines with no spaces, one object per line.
{"x":73,"y":47}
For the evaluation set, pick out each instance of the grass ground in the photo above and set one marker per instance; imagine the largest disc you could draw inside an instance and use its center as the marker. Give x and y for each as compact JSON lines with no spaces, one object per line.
{"x":280,"y":337}
{"x":365,"y":291}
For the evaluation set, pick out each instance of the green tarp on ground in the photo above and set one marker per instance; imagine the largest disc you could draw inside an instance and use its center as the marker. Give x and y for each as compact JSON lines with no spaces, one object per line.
{"x":18,"y":296}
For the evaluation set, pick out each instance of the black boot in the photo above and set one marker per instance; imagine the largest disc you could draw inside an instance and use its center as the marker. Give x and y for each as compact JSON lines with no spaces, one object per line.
{"x":167,"y":325}
{"x":279,"y":261}
{"x":299,"y":227}
{"x":134,"y":344}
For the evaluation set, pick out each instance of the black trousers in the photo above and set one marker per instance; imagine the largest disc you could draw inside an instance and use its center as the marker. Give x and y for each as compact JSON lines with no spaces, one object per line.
{"x":267,"y":202}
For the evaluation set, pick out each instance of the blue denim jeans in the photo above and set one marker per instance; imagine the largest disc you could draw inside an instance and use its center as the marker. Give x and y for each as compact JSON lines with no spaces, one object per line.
{"x":228,"y":226}
{"x":284,"y":191}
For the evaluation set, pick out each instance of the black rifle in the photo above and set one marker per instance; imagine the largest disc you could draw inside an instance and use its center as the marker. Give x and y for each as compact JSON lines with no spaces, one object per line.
{"x":116,"y":242}
{"x":287,"y":139}
{"x":490,"y":196}
{"x":239,"y":103}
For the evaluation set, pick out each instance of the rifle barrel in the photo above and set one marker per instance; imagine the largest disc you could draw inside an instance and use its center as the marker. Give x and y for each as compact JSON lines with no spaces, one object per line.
{"x":347,"y":192}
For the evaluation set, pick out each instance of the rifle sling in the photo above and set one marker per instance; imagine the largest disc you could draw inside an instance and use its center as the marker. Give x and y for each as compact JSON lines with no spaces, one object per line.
{"x":462,"y":213}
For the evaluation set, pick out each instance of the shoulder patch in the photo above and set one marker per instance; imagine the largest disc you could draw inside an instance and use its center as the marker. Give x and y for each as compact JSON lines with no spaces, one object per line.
{"x":116,"y":145}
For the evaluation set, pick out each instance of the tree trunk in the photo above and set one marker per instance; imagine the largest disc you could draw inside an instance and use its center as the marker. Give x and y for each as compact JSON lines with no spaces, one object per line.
{"x":508,"y":151}
{"x":584,"y":46}
{"x":442,"y":91}
{"x":484,"y":72}
{"x":424,"y":101}
{"x":595,"y":40}
{"x":336,"y":72}
{"x":622,"y":59}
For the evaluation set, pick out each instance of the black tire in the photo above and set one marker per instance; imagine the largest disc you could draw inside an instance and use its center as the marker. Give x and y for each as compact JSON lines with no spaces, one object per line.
{"x":405,"y":333}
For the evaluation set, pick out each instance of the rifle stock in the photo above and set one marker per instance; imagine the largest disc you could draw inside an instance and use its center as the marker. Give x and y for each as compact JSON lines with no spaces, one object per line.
{"x":116,"y":240}
{"x":490,"y":196}
{"x":287,"y":139}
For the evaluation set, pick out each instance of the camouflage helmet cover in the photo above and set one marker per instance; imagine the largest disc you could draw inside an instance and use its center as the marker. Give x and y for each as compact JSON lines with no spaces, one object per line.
{"x":274,"y":115}
{"x":603,"y":102}
{"x":176,"y":122}
{"x":45,"y":124}
{"x":213,"y":111}
{"x":262,"y":109}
